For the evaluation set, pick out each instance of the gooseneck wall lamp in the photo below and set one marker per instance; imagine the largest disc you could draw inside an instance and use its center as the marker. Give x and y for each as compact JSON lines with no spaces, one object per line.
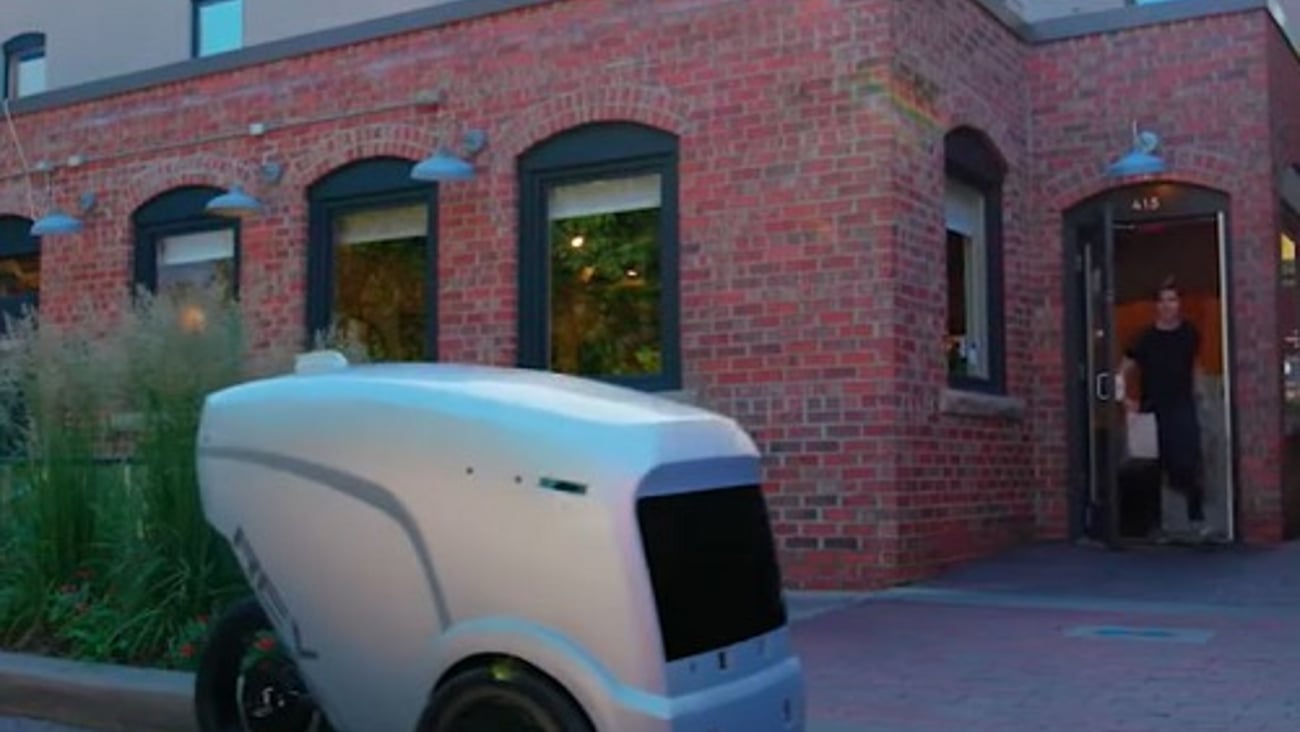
{"x":1141,"y":159}
{"x":236,"y":203}
{"x":58,"y":223}
{"x":444,"y":165}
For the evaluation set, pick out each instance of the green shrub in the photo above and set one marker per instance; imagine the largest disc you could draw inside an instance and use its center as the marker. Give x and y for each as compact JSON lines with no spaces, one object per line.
{"x":106,"y":554}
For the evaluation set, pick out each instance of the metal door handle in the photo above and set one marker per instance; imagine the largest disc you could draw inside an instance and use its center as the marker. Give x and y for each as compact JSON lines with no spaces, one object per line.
{"x":1102,"y":386}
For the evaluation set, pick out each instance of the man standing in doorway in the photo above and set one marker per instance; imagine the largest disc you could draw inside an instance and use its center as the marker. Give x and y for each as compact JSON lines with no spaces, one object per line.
{"x":1165,"y":355}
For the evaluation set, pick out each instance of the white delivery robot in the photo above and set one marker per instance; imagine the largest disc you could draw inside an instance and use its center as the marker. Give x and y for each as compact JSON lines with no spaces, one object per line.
{"x":450,"y":548}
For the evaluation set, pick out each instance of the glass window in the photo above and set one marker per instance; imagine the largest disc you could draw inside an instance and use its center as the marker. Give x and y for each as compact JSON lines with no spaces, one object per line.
{"x":598,"y":255}
{"x":197,"y":261}
{"x":25,"y":65}
{"x":20,"y":286}
{"x":973,"y":345}
{"x":606,"y":277}
{"x":20,"y":275}
{"x":1289,"y":319}
{"x":218,"y":26}
{"x":1288,"y":261}
{"x":29,"y":75}
{"x":379,"y":279}
{"x":20,"y":267}
{"x":182,"y":251}
{"x":967,"y":265}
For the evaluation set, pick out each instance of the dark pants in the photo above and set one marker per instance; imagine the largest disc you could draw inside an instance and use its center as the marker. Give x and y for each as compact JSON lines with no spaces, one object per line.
{"x":1179,"y":436}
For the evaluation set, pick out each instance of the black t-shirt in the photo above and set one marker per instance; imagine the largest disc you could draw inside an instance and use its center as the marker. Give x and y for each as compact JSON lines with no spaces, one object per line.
{"x":1167,"y":359}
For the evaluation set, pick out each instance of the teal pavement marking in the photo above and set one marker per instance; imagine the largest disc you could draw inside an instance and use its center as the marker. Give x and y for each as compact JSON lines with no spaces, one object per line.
{"x":941,"y":596}
{"x":1158,"y":635}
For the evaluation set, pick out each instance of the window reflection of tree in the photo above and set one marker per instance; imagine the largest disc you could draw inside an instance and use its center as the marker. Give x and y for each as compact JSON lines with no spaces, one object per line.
{"x":379,"y":296}
{"x":605,"y":305}
{"x":19,"y":275}
{"x":182,"y":281}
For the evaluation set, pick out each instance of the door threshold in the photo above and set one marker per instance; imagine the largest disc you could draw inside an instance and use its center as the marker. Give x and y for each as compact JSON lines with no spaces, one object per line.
{"x":1171,"y":542}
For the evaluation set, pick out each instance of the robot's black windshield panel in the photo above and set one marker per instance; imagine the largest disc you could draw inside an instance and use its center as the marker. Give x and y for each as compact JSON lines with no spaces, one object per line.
{"x":713,"y":567}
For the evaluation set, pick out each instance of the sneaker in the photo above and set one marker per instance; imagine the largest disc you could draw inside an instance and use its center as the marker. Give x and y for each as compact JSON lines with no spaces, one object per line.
{"x":1199,"y":531}
{"x":1158,"y":536}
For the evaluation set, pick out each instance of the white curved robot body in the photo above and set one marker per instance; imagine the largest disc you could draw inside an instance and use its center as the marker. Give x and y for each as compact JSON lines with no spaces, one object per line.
{"x":396,"y":520}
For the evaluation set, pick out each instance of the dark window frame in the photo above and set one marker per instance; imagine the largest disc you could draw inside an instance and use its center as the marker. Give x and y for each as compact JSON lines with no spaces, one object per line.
{"x":23,"y":47}
{"x":173,"y":212}
{"x":16,"y":241}
{"x":1289,"y":226}
{"x":971,"y":159}
{"x":196,"y":24}
{"x":360,"y":185}
{"x":589,"y":152}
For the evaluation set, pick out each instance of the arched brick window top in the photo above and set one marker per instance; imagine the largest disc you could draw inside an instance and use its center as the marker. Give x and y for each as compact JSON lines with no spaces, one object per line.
{"x":25,"y":42}
{"x":970,"y":154}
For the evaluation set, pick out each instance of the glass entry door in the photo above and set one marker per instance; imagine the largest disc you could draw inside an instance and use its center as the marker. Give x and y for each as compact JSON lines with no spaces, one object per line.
{"x":1105,"y":413}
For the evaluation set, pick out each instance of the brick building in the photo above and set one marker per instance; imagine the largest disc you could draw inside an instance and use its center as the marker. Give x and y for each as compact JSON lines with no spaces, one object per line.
{"x":773,"y":182}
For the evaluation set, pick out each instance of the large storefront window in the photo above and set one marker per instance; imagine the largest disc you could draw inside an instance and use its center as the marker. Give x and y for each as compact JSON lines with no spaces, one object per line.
{"x":606,"y":281}
{"x":973,"y":341}
{"x":1289,"y":317}
{"x":372,"y":260}
{"x":197,"y":261}
{"x":598,"y":256}
{"x":379,"y":268}
{"x":182,"y":249}
{"x":20,"y":267}
{"x":20,"y":289}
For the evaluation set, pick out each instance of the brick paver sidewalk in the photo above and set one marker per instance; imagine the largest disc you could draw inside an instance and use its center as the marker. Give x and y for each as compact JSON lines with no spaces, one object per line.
{"x":1057,"y":639}
{"x":1066,"y":640}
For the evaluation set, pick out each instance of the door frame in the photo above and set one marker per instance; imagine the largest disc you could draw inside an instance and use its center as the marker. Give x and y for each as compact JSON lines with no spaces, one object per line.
{"x":1132,"y":204}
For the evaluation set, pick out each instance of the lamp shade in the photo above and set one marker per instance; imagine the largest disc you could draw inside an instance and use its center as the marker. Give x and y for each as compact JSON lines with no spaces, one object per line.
{"x":56,"y":223}
{"x":233,"y":202}
{"x":442,"y":166}
{"x":1137,"y":162}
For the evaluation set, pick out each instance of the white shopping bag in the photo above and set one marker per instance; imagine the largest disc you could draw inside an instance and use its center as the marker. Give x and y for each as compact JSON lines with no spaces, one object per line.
{"x":1143,"y":440}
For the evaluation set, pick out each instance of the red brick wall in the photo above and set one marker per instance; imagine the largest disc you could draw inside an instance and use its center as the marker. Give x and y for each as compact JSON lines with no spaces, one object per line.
{"x":965,"y":483}
{"x":785,"y":216}
{"x":1203,"y":86}
{"x":811,"y":171}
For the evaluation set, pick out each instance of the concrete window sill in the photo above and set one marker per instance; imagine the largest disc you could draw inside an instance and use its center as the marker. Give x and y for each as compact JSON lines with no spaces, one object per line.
{"x":988,"y":406}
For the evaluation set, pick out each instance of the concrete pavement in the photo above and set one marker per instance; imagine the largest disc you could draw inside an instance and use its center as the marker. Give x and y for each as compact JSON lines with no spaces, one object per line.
{"x":1056,"y":638}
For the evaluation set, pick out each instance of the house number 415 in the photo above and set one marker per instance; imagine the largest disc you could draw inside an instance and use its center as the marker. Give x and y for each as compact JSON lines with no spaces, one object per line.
{"x":1146,"y":203}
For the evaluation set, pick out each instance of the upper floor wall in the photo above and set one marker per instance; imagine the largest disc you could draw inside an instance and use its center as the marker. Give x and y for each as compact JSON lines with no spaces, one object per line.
{"x":89,"y":41}
{"x":1038,"y":11}
{"x":81,"y":51}
{"x":1034,"y":11}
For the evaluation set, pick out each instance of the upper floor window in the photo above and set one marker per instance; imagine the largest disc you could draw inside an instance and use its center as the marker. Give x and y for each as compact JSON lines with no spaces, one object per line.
{"x":218,"y":26}
{"x":24,"y":65}
{"x":973,"y":253}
